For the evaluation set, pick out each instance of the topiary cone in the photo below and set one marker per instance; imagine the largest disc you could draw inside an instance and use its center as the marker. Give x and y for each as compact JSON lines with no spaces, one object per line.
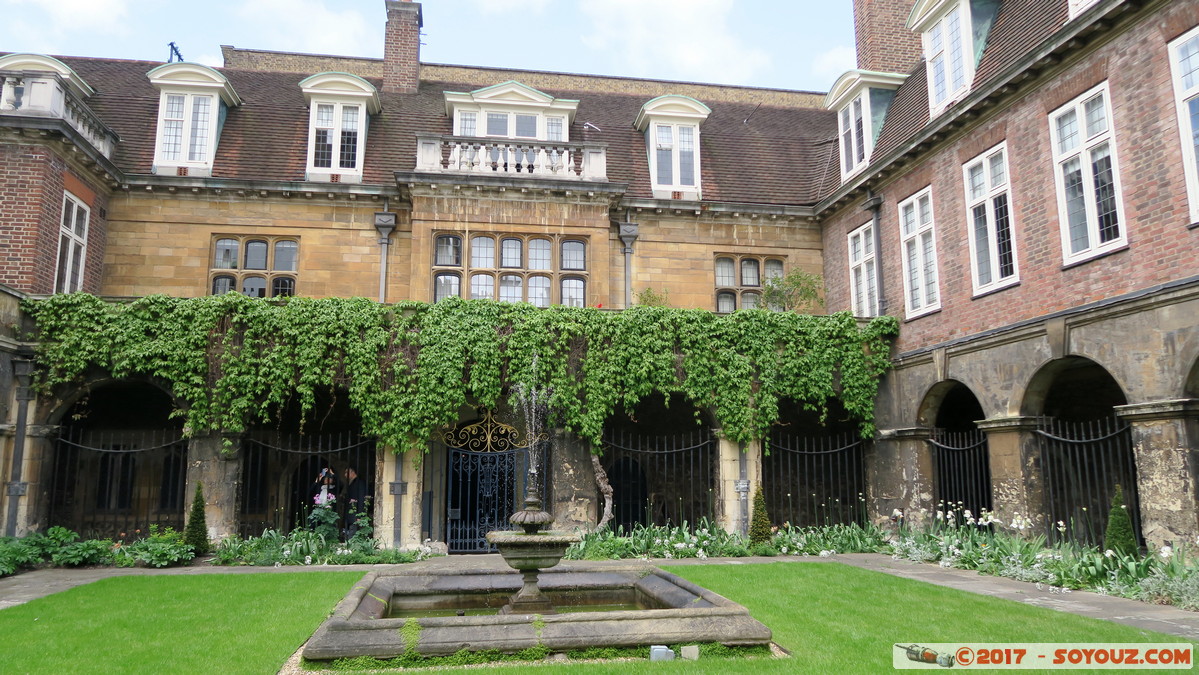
{"x":1119,"y":536}
{"x":759,"y":524}
{"x":195,"y":534}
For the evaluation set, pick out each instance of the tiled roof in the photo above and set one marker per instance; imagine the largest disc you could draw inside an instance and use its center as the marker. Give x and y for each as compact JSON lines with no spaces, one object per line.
{"x":1019,"y":27}
{"x":758,"y":153}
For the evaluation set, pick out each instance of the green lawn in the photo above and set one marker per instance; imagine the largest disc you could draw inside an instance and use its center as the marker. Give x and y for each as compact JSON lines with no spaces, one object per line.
{"x":211,"y":623}
{"x":833,"y":618}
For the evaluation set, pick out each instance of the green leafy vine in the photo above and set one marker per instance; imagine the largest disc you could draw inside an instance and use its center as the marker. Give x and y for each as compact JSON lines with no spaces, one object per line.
{"x":407,"y":369}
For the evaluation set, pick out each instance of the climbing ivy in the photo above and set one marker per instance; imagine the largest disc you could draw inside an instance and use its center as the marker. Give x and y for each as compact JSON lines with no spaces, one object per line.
{"x":406,"y":369}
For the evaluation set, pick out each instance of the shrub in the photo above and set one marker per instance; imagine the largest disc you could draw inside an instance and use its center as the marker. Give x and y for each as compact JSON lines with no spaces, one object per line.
{"x":1119,"y":536}
{"x":195,"y":533}
{"x":17,"y":554}
{"x":161,"y":548}
{"x":87,"y":552}
{"x":759,"y":525}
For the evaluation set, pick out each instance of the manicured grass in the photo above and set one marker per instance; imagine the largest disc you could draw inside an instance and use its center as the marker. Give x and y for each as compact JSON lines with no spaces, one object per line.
{"x":833,"y":618}
{"x":210,"y":623}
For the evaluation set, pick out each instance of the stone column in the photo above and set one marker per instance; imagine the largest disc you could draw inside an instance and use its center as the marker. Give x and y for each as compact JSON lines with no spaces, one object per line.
{"x":573,"y":497}
{"x":900,"y":475}
{"x":733,"y":484}
{"x":215,"y":461}
{"x":1017,"y":480}
{"x":1165,"y":442}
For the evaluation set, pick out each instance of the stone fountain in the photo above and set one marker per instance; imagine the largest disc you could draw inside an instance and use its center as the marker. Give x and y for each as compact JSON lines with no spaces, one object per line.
{"x":536,"y":548}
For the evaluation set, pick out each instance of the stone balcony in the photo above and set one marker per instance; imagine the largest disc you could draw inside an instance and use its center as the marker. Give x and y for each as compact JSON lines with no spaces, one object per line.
{"x":47,"y":96}
{"x":511,"y":158}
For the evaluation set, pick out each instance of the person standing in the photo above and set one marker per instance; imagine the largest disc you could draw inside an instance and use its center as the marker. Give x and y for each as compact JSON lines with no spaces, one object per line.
{"x":355,"y":498}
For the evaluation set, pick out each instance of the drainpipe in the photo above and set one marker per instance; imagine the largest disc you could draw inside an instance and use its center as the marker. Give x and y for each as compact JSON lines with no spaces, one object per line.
{"x":743,"y":488}
{"x":628,"y":234}
{"x":874,"y":204}
{"x":398,"y":489}
{"x":385,"y":224}
{"x":23,"y":370}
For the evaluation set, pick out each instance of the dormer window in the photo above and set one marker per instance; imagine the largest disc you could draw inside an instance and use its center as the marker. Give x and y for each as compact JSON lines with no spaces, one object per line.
{"x":1079,"y":6}
{"x":861,"y":99}
{"x":192,"y":106}
{"x":510,"y":110}
{"x":339,"y":105}
{"x":671,"y":126}
{"x":947,"y":30}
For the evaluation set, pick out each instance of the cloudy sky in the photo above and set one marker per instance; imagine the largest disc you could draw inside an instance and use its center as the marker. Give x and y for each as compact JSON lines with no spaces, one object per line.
{"x":792,"y":44}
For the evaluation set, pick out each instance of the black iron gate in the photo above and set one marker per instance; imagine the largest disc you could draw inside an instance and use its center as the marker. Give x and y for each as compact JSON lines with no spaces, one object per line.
{"x":279,"y":474}
{"x":114,"y":484}
{"x":661,"y":480}
{"x":815,"y":480}
{"x":487,"y":473}
{"x":1083,"y":462}
{"x":963,"y":468}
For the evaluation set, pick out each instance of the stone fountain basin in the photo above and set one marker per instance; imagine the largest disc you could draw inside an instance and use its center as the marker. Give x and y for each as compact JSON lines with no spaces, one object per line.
{"x":673,"y":610}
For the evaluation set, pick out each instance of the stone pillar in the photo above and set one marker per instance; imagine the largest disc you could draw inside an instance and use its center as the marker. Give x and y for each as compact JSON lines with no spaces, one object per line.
{"x":753,"y":469}
{"x":1165,"y":442}
{"x":900,"y":476}
{"x":1017,"y":480}
{"x":572,"y":500}
{"x":733,"y":485}
{"x":215,"y":461}
{"x":403,"y":507}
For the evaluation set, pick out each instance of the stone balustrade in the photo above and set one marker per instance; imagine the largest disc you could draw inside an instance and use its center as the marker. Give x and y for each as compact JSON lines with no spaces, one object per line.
{"x":501,"y":156}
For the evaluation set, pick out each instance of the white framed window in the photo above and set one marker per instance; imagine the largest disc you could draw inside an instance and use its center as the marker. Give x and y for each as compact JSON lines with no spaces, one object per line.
{"x":949,"y":51}
{"x":186,"y":129}
{"x":509,"y":124}
{"x":72,"y":245}
{"x":863,"y":291}
{"x":856,"y":139}
{"x":674,"y":157}
{"x":919,"y":245}
{"x":1184,"y":67}
{"x":1079,"y":6}
{"x":989,"y":220}
{"x":336,"y":138}
{"x":1090,"y":211}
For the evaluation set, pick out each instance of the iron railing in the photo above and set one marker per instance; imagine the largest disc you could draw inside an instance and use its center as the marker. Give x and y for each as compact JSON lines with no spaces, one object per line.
{"x":661,"y":480}
{"x":963,"y":470}
{"x":816,"y":479}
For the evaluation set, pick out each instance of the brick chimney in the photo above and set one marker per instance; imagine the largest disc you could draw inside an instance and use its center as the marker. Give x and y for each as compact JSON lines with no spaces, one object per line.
{"x":884,"y":43}
{"x":401,"y":48}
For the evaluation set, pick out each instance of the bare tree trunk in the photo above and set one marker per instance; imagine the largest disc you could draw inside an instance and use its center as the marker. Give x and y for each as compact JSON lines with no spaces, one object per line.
{"x":605,"y":488}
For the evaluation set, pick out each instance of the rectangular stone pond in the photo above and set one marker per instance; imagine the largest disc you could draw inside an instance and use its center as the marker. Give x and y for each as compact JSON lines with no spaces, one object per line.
{"x":600,"y":605}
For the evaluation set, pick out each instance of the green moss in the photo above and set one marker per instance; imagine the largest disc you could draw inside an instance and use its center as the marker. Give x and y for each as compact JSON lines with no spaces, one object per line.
{"x":410,"y":634}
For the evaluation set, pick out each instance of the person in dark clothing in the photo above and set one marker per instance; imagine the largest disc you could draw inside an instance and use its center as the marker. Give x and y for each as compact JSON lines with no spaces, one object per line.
{"x":356,"y":501}
{"x":326,"y":485}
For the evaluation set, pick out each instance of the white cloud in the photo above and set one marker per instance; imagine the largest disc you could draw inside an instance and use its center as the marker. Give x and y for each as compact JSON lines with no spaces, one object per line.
{"x":494,"y":7}
{"x":312,"y":26}
{"x":832,"y":63}
{"x":673,"y":39}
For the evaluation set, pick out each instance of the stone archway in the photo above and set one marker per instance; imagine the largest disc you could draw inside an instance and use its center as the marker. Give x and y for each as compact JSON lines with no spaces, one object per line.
{"x":961,"y":456}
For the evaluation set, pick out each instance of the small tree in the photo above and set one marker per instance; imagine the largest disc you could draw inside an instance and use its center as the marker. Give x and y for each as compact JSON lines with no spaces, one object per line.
{"x":759,"y":524}
{"x":195,"y":534}
{"x":798,"y":291}
{"x":1119,"y":536}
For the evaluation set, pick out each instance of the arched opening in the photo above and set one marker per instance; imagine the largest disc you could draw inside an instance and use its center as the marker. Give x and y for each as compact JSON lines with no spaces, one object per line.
{"x":1086,"y":450}
{"x":1191,"y":387}
{"x":282,"y":463}
{"x":661,"y":463}
{"x":960,"y":453}
{"x":120,"y":463}
{"x":813,"y":471}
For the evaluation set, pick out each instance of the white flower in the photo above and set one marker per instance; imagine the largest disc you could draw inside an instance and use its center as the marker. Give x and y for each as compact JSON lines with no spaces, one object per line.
{"x":680,"y":545}
{"x":1061,"y":526}
{"x":783,"y":550}
{"x":1110,"y":553}
{"x":701,"y":555}
{"x":1167,"y":551}
{"x":307,"y":560}
{"x":940,"y":515}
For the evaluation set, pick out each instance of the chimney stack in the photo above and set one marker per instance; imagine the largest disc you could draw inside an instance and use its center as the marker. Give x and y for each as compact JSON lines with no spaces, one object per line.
{"x":401,"y":48}
{"x":884,"y":42}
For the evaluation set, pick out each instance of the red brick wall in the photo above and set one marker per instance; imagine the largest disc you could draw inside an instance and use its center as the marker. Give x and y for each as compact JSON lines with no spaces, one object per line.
{"x":1160,"y":248}
{"x":883,"y":42}
{"x":32,"y":181}
{"x":401,"y":48}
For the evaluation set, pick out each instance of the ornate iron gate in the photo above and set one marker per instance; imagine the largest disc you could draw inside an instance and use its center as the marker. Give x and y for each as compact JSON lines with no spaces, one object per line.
{"x":278,"y":472}
{"x":114,"y":483}
{"x":1082,"y":464}
{"x":488,"y":466}
{"x":815,"y":480}
{"x":661,"y":480}
{"x":963,"y":468}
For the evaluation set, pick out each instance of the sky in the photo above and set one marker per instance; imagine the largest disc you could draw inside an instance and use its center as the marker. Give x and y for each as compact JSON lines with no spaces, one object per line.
{"x":787,"y":44}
